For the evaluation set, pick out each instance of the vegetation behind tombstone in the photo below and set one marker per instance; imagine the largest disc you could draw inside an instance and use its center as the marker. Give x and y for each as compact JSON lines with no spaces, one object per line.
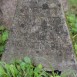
{"x":3,"y":38}
{"x":71,"y":17}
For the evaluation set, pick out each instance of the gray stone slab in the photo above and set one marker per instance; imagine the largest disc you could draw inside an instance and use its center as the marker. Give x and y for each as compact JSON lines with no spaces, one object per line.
{"x":8,"y":10}
{"x":39,"y":31}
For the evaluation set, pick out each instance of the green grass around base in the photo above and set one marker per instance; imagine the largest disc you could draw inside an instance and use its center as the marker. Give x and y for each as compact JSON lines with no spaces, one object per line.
{"x":25,"y":68}
{"x":71,"y":17}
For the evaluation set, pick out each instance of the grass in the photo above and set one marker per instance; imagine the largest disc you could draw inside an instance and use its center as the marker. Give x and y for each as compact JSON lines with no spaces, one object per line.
{"x":25,"y":68}
{"x":3,"y":38}
{"x":71,"y":17}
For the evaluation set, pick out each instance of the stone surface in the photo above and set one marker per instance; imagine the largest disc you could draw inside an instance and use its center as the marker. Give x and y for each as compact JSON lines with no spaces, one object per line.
{"x":39,"y":31}
{"x":8,"y":9}
{"x":65,"y":5}
{"x":1,"y":13}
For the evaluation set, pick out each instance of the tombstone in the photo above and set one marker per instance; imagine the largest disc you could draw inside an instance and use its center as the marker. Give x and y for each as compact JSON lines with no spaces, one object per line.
{"x":39,"y":31}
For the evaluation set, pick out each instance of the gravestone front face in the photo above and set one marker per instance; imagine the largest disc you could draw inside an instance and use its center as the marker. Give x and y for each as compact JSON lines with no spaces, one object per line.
{"x":39,"y":31}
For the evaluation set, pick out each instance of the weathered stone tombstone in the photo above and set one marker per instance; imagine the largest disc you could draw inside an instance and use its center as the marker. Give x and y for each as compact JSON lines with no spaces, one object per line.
{"x":39,"y":31}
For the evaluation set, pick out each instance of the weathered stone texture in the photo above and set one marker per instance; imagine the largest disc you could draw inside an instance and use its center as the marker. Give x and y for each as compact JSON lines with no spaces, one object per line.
{"x":39,"y":30}
{"x":1,"y":14}
{"x":65,"y":5}
{"x":8,"y":10}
